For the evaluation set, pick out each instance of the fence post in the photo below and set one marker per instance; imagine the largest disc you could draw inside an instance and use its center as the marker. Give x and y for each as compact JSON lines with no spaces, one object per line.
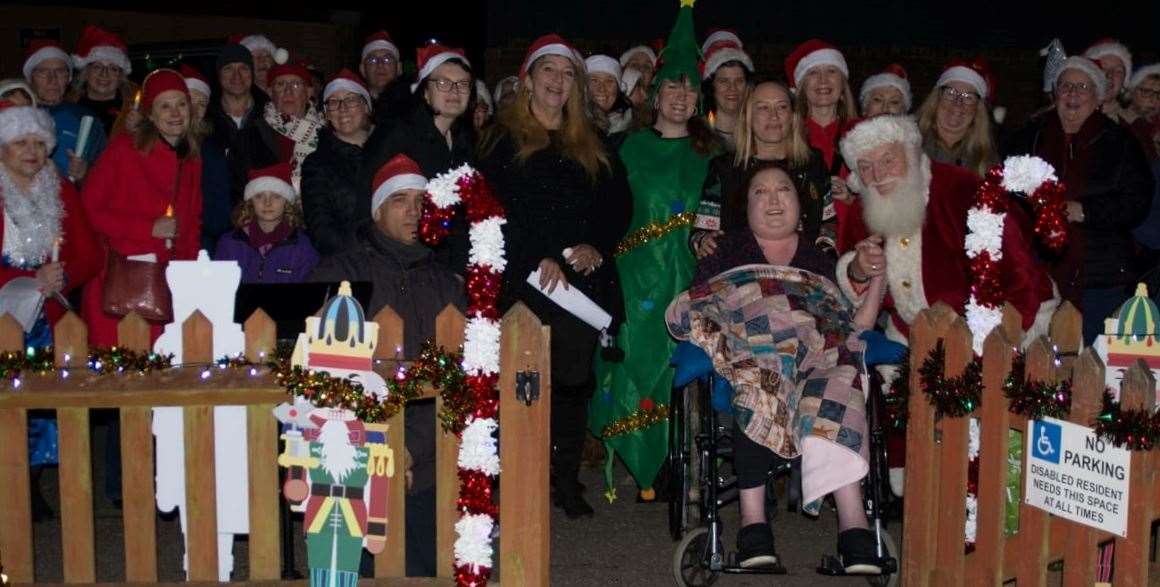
{"x":449,"y":334}
{"x":1080,"y":545}
{"x":920,"y":539}
{"x":525,"y":434}
{"x":262,"y":460}
{"x":392,"y":561}
{"x":1138,"y":391}
{"x":995,"y":423}
{"x":1034,"y":524}
{"x":952,"y":482}
{"x":1067,"y":335}
{"x":76,"y":471}
{"x":16,"y":515}
{"x":137,"y":481}
{"x":200,"y":486}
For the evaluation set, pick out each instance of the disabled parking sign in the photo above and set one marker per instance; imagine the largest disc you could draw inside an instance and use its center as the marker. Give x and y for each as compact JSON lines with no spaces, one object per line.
{"x":1074,"y":474}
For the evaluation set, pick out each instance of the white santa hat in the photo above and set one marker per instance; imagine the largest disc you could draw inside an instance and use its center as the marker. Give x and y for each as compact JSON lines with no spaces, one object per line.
{"x":15,"y":83}
{"x":348,"y":81}
{"x":723,"y":52}
{"x":431,"y":57}
{"x":499,"y":91}
{"x":258,"y":42}
{"x":629,"y":79}
{"x":377,"y":42}
{"x":643,"y":49}
{"x":400,"y":173}
{"x":275,"y":178}
{"x":877,"y":131}
{"x":42,"y":50}
{"x":1106,"y":47}
{"x":550,"y":44}
{"x":603,"y":64}
{"x":894,"y":76}
{"x":20,"y":121}
{"x":717,"y":35}
{"x":483,"y":94}
{"x":194,"y":79}
{"x":961,"y":71}
{"x":1137,"y":78}
{"x":1088,"y":67}
{"x":810,"y":54}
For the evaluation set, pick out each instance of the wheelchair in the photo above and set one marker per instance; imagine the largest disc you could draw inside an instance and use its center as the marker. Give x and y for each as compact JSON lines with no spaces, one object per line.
{"x":699,"y":446}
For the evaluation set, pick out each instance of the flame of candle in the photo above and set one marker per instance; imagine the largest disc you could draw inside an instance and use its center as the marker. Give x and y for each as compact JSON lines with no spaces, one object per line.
{"x":169,"y":211}
{"x":137,"y":99}
{"x":712,"y":119}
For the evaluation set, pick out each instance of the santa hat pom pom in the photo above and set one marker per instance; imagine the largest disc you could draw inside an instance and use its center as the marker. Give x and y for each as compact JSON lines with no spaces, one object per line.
{"x":281,"y":56}
{"x":999,"y":113}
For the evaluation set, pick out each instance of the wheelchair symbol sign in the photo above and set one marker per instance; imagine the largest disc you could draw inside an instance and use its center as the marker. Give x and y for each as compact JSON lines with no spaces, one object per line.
{"x":1046,"y":443}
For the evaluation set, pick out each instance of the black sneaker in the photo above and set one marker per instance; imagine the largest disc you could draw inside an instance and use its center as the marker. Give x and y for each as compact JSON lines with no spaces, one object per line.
{"x":574,"y":506}
{"x":755,"y":547}
{"x":858,"y":551}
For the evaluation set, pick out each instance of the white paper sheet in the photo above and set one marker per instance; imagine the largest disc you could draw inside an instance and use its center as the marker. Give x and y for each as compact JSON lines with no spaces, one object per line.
{"x":575,"y":302}
{"x":150,"y":257}
{"x":21,"y":298}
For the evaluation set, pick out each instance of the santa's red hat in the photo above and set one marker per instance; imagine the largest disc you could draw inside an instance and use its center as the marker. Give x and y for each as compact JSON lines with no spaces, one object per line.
{"x":377,"y":42}
{"x":259,"y":42}
{"x":551,"y":44}
{"x":400,"y":173}
{"x":194,"y":79}
{"x":1114,"y":48}
{"x":723,"y":52}
{"x":643,"y":50}
{"x":893,"y":76}
{"x":275,"y":178}
{"x":431,"y":57}
{"x":810,"y":54}
{"x":297,"y":68}
{"x":20,"y":121}
{"x":97,"y":44}
{"x":349,"y":81}
{"x":1087,"y":66}
{"x":975,"y":73}
{"x":159,"y":81}
{"x":716,"y":35}
{"x":40,"y":50}
{"x":603,"y":64}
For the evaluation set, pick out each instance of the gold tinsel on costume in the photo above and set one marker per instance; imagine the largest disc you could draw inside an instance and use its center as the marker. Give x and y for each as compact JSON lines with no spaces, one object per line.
{"x":653,"y":231}
{"x":638,"y":420}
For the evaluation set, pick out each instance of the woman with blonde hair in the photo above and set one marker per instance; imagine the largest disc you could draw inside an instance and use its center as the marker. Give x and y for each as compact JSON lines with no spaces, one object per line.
{"x":954,"y":120}
{"x":567,"y":206}
{"x":769,"y":134}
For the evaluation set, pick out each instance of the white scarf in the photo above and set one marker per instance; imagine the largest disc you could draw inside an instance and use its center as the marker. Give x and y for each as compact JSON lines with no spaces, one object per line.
{"x":303,"y":131}
{"x":31,"y":220}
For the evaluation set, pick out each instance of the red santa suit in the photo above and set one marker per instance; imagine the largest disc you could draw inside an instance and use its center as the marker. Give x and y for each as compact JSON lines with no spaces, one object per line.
{"x":124,"y":194}
{"x":932,"y":266}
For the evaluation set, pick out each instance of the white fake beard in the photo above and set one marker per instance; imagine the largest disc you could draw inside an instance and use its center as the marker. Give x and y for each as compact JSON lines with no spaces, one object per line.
{"x":338,"y":454}
{"x":902,"y":212}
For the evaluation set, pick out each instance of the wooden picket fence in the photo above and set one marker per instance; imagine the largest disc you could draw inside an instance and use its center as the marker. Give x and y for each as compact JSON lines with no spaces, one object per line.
{"x":937,"y":461}
{"x":523,"y":546}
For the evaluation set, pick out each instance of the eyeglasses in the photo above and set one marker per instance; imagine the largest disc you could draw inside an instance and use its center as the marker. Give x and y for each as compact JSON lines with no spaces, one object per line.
{"x":284,"y":85}
{"x":1075,"y":88}
{"x":1148,"y":93}
{"x":954,"y":96}
{"x":386,"y":60}
{"x":445,"y":85}
{"x":105,"y":69}
{"x":347,"y":103}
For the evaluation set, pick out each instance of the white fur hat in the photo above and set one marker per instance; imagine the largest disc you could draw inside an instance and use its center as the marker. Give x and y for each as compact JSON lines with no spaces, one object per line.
{"x":1139,"y":75}
{"x":877,"y":131}
{"x":603,"y":64}
{"x":1105,"y":47}
{"x":1088,"y":67}
{"x":19,"y":121}
{"x":894,"y":76}
{"x":643,"y":49}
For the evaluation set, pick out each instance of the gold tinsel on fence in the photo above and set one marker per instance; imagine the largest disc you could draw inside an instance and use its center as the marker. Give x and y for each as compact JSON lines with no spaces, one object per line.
{"x":653,"y":231}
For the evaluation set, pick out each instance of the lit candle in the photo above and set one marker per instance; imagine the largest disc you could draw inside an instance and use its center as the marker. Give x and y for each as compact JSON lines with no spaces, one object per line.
{"x":169,"y":214}
{"x":137,"y":99}
{"x":56,"y":250}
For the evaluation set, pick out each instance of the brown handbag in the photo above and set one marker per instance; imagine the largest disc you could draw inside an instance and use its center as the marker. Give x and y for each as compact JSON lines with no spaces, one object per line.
{"x":136,"y":286}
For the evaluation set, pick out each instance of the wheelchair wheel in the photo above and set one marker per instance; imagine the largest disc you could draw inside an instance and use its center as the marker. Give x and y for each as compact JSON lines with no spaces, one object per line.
{"x":691,"y":560}
{"x":887,"y":579}
{"x":683,"y":491}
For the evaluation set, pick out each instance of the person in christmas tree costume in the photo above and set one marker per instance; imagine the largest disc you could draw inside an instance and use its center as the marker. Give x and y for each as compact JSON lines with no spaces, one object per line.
{"x":666,"y":165}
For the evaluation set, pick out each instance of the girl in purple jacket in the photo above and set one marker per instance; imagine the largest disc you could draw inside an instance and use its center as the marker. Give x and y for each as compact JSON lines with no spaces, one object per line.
{"x":267,"y":241}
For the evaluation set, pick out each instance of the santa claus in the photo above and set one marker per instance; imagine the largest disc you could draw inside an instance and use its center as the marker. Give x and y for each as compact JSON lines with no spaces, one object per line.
{"x":911,"y":224}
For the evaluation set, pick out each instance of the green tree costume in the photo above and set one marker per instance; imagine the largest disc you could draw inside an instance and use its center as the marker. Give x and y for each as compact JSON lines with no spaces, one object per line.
{"x":655,"y":264}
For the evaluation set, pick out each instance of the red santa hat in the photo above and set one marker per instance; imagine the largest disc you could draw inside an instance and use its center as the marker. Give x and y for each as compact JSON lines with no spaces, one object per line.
{"x":296,"y":68}
{"x":158,"y":82}
{"x":400,"y":173}
{"x":377,"y":42}
{"x":195,"y":81}
{"x":716,"y":35}
{"x":723,"y":52}
{"x":349,"y":81}
{"x":20,"y":121}
{"x":275,"y":178}
{"x":893,"y":76}
{"x":1114,"y":48}
{"x":97,"y":44}
{"x":874,"y":132}
{"x":550,"y":44}
{"x":642,"y":49}
{"x":1087,"y":66}
{"x":259,"y":42}
{"x":975,"y":73}
{"x":1137,"y":78}
{"x":603,"y":64}
{"x":431,"y":57}
{"x":40,"y":50}
{"x":810,"y":54}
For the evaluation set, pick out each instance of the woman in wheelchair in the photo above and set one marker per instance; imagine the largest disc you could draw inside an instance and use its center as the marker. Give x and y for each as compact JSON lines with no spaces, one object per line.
{"x":765,"y":308}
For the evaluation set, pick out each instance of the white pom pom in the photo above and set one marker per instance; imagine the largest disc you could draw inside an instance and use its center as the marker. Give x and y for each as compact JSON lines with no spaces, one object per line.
{"x":473,"y":547}
{"x":487,"y":244}
{"x":999,"y":113}
{"x":281,"y":56}
{"x":481,"y":346}
{"x":477,"y":448}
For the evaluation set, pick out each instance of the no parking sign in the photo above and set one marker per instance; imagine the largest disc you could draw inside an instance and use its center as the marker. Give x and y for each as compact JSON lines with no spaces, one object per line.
{"x":1074,"y":474}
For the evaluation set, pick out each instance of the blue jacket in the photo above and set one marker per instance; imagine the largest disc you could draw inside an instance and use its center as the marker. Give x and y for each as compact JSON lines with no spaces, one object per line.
{"x":67,"y":117}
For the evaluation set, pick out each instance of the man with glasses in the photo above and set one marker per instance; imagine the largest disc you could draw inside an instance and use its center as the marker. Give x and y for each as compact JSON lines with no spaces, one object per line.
{"x":48,"y":73}
{"x":382,"y":68}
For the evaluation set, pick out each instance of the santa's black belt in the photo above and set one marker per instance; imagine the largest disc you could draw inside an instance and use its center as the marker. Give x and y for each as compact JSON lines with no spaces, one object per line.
{"x":324,"y":490}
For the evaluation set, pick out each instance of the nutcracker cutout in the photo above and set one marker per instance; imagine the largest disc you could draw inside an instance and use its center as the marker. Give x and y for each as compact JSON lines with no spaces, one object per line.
{"x":339,"y":468}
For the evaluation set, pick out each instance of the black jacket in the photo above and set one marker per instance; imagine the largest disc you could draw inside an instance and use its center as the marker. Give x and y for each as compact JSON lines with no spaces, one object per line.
{"x":254,"y":147}
{"x":395,"y":102}
{"x":406,"y":278}
{"x":224,"y":129}
{"x":1103,"y":167}
{"x":331,"y":200}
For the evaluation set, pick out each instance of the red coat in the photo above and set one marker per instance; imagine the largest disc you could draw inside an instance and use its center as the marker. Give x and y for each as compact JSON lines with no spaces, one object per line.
{"x":942,"y":266}
{"x":124,"y":194}
{"x":79,"y":251}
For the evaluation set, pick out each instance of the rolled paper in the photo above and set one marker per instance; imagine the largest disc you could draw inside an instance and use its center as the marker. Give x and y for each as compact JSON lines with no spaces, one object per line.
{"x":83,"y":135}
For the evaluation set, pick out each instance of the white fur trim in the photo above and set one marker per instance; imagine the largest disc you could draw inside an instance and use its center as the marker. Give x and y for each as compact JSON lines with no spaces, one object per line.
{"x":629,"y":79}
{"x":258,"y":43}
{"x":270,"y":184}
{"x":1144,"y":73}
{"x":340,"y":84}
{"x":960,"y":73}
{"x":403,"y":181}
{"x":196,"y":85}
{"x":378,"y":45}
{"x":722,"y":56}
{"x":484,"y":95}
{"x":652,"y":55}
{"x":1114,"y":49}
{"x":885,"y":80}
{"x":844,"y":283}
{"x":551,"y":49}
{"x":105,"y":53}
{"x":1041,"y":326}
{"x":19,"y":121}
{"x":43,"y":54}
{"x":904,"y":265}
{"x":603,"y":64}
{"x":720,"y":36}
{"x":818,"y":58}
{"x":878,"y":131}
{"x":433,"y":63}
{"x":1088,"y":67}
